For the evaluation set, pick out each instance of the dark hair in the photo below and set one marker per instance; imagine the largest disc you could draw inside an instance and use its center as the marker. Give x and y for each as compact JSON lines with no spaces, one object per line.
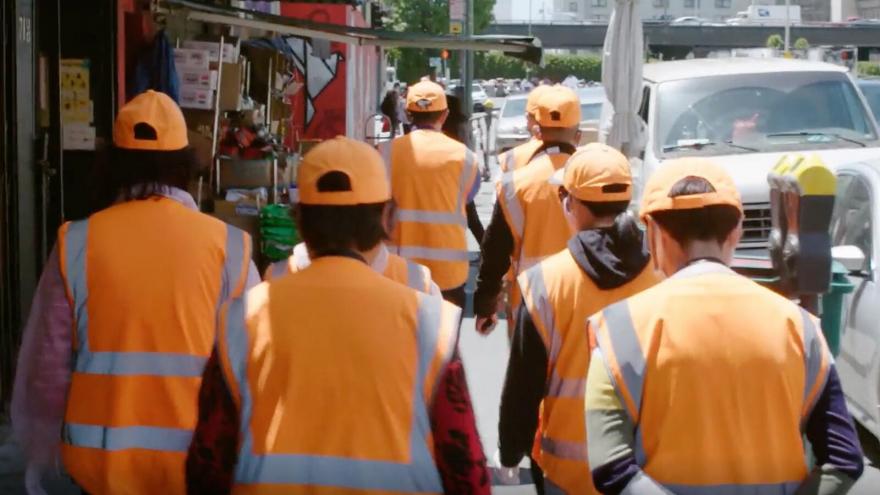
{"x":139,"y":174}
{"x":425,"y":118}
{"x":326,"y":228}
{"x":334,"y":228}
{"x":714,"y":222}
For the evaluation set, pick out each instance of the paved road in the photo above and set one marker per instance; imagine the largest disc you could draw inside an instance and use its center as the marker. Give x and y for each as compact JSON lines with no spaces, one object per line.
{"x":485,"y":360}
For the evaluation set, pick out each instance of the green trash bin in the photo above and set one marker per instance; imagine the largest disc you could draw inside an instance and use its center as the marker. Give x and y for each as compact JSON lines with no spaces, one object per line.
{"x":278,"y":232}
{"x":760,"y":269}
{"x":832,"y":306}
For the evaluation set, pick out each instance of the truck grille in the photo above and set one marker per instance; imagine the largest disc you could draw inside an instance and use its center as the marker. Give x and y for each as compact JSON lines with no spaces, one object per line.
{"x":756,"y":224}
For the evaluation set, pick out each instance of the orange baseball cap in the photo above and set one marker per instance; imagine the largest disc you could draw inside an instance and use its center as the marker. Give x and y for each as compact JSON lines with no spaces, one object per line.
{"x":426,"y":96}
{"x":656,"y":197}
{"x":558,"y":107}
{"x":590,"y":169}
{"x":360,"y":162}
{"x":152,"y":122}
{"x":534,"y":97}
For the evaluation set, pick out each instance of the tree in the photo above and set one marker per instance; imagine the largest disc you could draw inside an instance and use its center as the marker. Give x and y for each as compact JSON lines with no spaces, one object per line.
{"x":775,"y":41}
{"x":801,"y":44}
{"x":431,"y":17}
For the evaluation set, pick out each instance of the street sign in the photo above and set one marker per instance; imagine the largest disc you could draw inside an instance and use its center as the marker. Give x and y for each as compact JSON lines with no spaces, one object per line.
{"x":456,"y":10}
{"x":456,"y":27}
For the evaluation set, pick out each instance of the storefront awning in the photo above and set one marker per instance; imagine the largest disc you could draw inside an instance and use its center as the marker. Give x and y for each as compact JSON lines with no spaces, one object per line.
{"x":524,"y":47}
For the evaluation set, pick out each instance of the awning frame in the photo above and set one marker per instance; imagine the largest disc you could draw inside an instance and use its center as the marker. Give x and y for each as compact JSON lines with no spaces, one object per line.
{"x":524,"y":47}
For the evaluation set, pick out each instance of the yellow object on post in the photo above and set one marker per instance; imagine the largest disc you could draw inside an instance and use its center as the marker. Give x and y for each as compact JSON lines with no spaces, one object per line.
{"x":802,"y":201}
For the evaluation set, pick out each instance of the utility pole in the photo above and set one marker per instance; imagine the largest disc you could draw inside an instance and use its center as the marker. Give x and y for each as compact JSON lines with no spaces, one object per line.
{"x":787,"y":25}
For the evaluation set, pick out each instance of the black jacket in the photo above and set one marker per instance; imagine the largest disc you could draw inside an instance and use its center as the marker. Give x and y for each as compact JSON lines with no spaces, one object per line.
{"x":611,"y":257}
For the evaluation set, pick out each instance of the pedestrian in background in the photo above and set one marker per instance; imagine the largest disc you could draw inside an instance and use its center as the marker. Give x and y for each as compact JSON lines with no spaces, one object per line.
{"x":334,"y":378}
{"x":708,"y":382}
{"x":604,"y":262}
{"x":389,"y":109}
{"x":519,"y":156}
{"x":528,"y":223}
{"x":433,"y":178}
{"x":402,"y":114}
{"x":457,"y":126}
{"x":124,"y":319}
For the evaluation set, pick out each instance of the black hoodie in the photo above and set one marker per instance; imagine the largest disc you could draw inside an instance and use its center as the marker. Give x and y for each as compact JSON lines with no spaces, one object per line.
{"x":611,"y":257}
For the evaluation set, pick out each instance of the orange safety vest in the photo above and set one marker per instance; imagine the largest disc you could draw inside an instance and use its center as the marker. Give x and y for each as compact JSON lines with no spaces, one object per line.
{"x":431,"y":177}
{"x":559,"y":297}
{"x":719,"y":375}
{"x":533,"y":211}
{"x":145,"y":280}
{"x":519,"y":156}
{"x":358,"y":432}
{"x":401,"y":270}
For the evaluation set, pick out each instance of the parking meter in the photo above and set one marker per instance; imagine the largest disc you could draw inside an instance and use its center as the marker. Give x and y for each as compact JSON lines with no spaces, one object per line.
{"x":802,"y":192}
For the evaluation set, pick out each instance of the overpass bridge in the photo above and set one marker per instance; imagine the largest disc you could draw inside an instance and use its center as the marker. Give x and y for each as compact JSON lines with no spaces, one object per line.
{"x":664,"y":37}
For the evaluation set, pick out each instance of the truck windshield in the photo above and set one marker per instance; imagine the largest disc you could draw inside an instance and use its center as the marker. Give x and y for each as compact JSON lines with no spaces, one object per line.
{"x":760,"y":112}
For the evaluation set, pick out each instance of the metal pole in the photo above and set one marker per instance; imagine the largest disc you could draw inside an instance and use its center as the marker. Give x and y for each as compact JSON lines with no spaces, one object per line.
{"x":530,"y":17}
{"x":787,"y":25}
{"x":467,"y":79}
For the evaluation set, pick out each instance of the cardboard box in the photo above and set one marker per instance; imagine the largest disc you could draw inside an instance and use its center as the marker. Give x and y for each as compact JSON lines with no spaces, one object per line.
{"x":188,"y":59}
{"x":196,"y":98}
{"x":231,"y":86}
{"x":200,"y":121}
{"x":202,"y":79}
{"x":230,"y":50}
{"x":236,"y":173}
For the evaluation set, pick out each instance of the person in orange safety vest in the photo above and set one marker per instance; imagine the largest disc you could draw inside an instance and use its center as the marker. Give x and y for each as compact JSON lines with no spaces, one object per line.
{"x":519,"y":156}
{"x":124,"y":318}
{"x":335,"y":378}
{"x":528,"y":223}
{"x":433,"y":178}
{"x":397,"y":268}
{"x":708,"y":383}
{"x":605,"y":261}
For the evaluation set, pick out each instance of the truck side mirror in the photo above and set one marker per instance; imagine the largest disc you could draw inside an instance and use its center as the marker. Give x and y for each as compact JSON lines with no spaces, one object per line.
{"x":852,"y":258}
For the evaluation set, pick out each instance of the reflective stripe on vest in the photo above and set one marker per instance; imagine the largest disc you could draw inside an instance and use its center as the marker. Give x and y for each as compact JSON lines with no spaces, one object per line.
{"x":432,"y":217}
{"x":420,"y":475}
{"x":576,"y":451}
{"x":438,"y":254}
{"x":416,"y":278}
{"x":508,"y":197}
{"x":133,"y":363}
{"x":814,"y":358}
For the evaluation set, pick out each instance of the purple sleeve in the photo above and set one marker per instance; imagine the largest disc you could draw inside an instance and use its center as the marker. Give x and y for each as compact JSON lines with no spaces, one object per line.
{"x":831,"y":431}
{"x":44,"y":368}
{"x":475,"y":188}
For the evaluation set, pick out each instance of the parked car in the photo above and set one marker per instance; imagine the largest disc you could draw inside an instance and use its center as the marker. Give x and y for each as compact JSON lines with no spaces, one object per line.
{"x":689,"y":21}
{"x":511,"y":128}
{"x":592,"y":98}
{"x":746,"y":113}
{"x":871,"y":89}
{"x":855,"y":235}
{"x":479,"y":97}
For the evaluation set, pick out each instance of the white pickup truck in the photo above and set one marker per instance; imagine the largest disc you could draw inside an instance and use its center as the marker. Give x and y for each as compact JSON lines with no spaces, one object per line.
{"x":747,"y":113}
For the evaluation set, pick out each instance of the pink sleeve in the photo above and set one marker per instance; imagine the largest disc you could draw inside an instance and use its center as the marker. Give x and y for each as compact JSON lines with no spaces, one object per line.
{"x":44,"y":369}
